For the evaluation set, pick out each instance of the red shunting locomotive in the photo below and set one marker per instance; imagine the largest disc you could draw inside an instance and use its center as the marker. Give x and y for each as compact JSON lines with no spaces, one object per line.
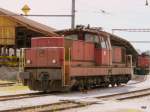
{"x":143,"y":64}
{"x":79,"y":58}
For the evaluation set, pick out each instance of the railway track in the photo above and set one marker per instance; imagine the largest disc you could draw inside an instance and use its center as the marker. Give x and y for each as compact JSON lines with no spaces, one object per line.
{"x":72,"y":104}
{"x":127,"y":95}
{"x":59,"y":106}
{"x":22,"y":96}
{"x":30,"y":95}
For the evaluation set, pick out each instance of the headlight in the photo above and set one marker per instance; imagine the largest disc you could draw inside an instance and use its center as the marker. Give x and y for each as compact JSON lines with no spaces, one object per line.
{"x":53,"y":61}
{"x":28,"y":61}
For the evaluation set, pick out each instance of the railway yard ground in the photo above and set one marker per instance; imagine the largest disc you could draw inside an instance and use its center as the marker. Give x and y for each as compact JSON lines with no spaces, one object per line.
{"x":16,"y":98}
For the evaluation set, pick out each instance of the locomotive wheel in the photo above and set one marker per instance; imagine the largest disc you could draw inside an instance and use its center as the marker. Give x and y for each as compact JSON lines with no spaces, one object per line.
{"x":112,"y":84}
{"x":87,"y":83}
{"x":81,"y":88}
{"x":106,"y":85}
{"x":118,"y":84}
{"x":81,"y":85}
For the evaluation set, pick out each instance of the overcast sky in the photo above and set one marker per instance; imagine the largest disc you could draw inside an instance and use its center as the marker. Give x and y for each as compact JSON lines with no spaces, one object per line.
{"x":119,"y":14}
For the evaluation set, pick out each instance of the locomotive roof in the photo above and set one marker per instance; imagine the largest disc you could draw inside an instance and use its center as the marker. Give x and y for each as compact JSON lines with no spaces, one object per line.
{"x":115,"y":40}
{"x":120,"y":41}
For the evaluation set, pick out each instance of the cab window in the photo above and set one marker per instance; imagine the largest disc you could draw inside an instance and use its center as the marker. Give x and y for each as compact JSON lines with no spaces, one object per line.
{"x":107,"y":42}
{"x":72,"y":37}
{"x":103,"y":43}
{"x":91,"y":38}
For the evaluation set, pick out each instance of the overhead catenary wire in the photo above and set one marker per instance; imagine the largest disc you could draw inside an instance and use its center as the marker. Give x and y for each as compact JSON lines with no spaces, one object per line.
{"x":38,"y":15}
{"x":133,"y":30}
{"x":138,"y":42}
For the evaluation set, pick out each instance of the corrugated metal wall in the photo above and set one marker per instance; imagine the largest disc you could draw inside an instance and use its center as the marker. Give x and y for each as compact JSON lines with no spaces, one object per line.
{"x":7,"y":31}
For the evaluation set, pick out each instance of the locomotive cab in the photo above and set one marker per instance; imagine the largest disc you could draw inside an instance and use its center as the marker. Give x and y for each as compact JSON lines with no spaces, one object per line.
{"x":89,"y":47}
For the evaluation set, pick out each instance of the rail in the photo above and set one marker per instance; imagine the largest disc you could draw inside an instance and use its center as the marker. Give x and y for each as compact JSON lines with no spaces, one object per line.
{"x":58,"y":106}
{"x":22,"y":96}
{"x":126,"y":95}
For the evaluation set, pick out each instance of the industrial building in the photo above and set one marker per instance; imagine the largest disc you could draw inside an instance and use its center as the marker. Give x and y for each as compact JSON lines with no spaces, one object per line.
{"x":16,"y":32}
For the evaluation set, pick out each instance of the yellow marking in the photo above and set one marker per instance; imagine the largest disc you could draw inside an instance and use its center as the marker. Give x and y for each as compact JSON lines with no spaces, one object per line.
{"x":26,"y":9}
{"x":8,"y":57}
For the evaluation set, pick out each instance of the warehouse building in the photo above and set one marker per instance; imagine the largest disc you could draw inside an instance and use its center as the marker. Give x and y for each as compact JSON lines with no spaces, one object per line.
{"x":16,"y":32}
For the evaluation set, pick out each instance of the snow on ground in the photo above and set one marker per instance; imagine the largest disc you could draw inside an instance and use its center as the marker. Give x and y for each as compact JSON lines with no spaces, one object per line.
{"x":4,"y":105}
{"x":114,"y":106}
{"x":56,"y":97}
{"x":137,"y":105}
{"x":133,"y":105}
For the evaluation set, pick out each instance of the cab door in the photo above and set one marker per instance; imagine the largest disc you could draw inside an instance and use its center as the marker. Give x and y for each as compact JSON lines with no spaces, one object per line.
{"x":103,"y":52}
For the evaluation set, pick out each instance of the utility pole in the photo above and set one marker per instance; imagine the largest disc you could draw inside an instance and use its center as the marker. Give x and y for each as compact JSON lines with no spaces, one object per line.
{"x":73,"y":15}
{"x":146,"y":3}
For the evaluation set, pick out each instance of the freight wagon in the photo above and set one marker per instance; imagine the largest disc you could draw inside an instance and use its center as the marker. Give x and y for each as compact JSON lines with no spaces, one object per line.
{"x":80,"y":58}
